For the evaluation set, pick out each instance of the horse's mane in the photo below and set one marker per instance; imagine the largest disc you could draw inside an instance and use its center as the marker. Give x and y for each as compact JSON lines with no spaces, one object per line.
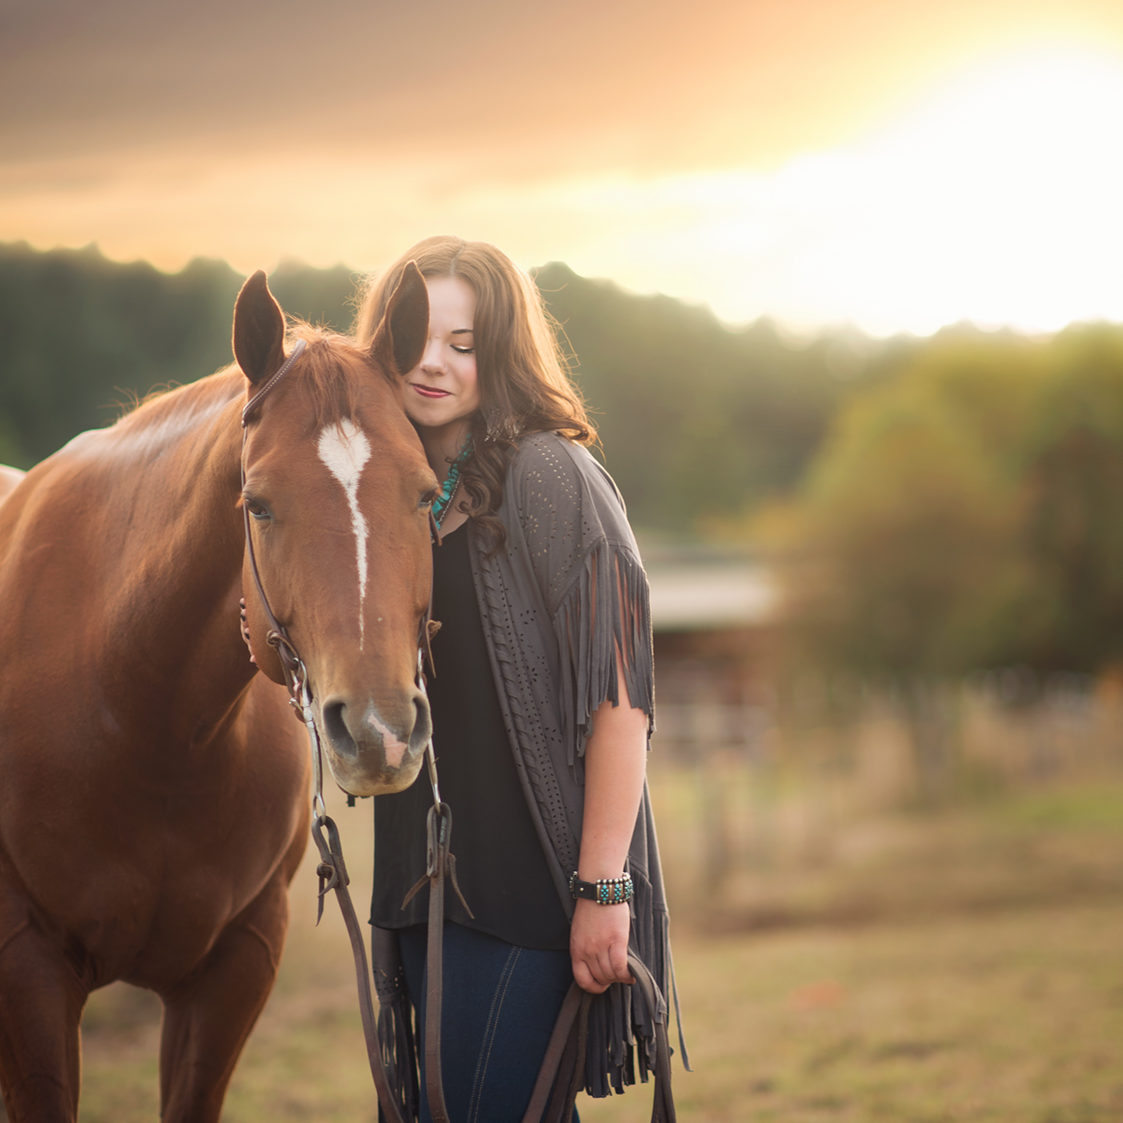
{"x":131,"y":402}
{"x":327,"y":371}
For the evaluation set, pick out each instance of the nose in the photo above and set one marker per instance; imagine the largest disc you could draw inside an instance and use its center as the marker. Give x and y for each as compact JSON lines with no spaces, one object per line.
{"x":431,"y":357}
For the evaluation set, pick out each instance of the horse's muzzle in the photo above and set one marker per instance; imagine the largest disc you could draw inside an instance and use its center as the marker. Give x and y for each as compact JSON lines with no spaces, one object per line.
{"x":373,"y":752}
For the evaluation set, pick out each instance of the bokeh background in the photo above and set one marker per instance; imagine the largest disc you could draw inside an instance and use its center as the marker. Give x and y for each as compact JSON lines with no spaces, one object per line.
{"x":840,"y":280}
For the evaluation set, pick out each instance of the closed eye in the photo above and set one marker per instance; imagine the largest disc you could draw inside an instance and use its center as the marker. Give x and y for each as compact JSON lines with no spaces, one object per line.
{"x":257,"y":509}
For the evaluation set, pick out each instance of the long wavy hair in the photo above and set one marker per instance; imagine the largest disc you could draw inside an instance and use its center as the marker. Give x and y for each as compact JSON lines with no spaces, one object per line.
{"x":524,"y":379}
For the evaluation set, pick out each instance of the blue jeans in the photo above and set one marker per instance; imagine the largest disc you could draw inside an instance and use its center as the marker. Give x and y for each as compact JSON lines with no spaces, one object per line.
{"x":499,"y":1007}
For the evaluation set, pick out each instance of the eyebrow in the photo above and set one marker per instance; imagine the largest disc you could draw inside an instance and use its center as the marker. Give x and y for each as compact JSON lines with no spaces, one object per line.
{"x":462,"y":331}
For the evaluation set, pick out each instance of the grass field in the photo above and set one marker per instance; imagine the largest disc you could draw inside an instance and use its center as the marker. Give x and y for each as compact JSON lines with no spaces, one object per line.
{"x":920,"y":969}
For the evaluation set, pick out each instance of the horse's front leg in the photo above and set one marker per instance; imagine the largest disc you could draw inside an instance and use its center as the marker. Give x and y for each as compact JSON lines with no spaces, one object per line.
{"x":208,"y":1017}
{"x":41,"y":1001}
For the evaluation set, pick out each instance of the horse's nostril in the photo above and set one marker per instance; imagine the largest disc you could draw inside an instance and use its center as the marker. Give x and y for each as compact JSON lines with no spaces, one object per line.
{"x":422,"y":723}
{"x":336,"y":727}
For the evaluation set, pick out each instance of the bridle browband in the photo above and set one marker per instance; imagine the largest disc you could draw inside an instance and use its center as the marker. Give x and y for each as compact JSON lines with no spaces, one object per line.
{"x":332,"y":871}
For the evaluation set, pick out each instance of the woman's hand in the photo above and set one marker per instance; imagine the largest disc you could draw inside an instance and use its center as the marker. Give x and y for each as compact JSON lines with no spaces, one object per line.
{"x":598,"y":945}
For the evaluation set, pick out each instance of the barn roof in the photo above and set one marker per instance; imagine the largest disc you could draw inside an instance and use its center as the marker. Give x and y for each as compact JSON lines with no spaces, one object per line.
{"x":697,"y":588}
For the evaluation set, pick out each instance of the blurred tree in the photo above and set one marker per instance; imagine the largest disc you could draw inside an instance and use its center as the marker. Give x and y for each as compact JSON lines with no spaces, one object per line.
{"x":699,"y":423}
{"x":907,"y":563}
{"x":962,"y":516}
{"x":320,"y":296}
{"x":910,"y":521}
{"x":1072,"y":533}
{"x":85,"y":337}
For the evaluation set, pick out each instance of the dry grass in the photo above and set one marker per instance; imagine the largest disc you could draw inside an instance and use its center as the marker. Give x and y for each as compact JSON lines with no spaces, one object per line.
{"x":962,"y":966}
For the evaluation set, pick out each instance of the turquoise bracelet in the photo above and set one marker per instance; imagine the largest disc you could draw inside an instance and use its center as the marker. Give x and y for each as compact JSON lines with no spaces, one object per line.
{"x":606,"y":891}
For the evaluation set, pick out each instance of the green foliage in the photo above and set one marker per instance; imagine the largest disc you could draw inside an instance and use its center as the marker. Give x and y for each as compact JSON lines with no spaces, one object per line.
{"x":1073,"y":479}
{"x":698,"y":422}
{"x":320,"y":296}
{"x":951,"y":503}
{"x":84,"y":338}
{"x":962,"y":513}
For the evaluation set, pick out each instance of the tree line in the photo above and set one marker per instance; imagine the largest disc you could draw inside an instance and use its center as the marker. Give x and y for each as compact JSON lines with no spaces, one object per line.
{"x":933,"y":506}
{"x":84,"y":338}
{"x":696,"y":420}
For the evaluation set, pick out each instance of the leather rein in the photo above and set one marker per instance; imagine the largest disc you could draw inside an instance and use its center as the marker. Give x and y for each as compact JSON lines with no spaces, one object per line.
{"x":332,"y":871}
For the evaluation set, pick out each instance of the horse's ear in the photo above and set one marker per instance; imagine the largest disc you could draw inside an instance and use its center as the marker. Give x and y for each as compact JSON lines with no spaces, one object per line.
{"x":259,"y":330}
{"x":399,"y":340}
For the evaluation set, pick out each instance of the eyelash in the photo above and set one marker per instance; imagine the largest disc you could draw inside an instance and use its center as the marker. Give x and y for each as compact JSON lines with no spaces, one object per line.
{"x":463,"y":350}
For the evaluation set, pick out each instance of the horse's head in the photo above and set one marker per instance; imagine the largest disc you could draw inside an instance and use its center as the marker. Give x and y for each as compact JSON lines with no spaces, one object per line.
{"x":337,"y":493}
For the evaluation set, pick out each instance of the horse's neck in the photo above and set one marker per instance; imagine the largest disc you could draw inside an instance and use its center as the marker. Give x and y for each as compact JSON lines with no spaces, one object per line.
{"x":178,"y":432}
{"x":172,"y":470}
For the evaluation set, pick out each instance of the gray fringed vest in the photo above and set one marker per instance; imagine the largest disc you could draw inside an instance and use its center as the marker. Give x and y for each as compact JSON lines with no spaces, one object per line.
{"x":565,"y":592}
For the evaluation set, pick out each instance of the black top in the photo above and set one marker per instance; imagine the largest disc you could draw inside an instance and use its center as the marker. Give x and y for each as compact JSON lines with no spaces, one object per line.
{"x":499,"y":859}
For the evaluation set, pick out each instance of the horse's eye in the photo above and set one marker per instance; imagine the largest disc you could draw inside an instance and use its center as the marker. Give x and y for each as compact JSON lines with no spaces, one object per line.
{"x":257,"y":509}
{"x":428,"y":498}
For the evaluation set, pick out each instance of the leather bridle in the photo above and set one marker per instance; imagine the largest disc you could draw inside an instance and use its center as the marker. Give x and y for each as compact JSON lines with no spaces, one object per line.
{"x":332,"y":871}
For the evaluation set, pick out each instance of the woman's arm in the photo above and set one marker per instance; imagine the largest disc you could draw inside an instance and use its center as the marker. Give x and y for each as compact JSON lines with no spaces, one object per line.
{"x":615,"y":762}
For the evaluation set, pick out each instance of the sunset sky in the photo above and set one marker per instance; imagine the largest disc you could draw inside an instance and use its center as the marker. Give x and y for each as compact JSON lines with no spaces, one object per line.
{"x":896,"y":164}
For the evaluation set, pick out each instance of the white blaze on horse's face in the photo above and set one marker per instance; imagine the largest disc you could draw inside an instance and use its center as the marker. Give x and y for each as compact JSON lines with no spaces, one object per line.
{"x":345,"y":450}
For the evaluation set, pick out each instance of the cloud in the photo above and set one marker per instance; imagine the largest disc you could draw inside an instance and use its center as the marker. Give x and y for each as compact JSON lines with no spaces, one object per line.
{"x":643,"y":85}
{"x":724,"y":152}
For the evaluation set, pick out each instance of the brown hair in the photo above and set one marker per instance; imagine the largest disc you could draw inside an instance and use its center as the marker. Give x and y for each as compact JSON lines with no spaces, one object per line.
{"x":524,"y":379}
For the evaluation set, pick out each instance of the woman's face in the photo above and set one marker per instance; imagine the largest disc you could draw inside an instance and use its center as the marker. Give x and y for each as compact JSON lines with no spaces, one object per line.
{"x":442,"y":391}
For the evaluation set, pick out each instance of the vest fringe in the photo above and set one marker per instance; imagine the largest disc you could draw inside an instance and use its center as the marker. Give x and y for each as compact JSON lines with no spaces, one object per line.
{"x":606,"y":610}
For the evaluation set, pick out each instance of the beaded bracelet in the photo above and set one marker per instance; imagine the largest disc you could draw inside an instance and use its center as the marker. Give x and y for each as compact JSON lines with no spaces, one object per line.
{"x":606,"y":891}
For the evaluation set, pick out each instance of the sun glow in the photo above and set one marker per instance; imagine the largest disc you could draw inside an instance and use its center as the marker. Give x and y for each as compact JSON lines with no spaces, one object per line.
{"x":995,"y":201}
{"x":999,"y":200}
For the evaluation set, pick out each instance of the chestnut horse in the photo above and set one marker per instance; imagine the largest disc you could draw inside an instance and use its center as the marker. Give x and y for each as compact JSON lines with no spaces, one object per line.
{"x":153,"y":786}
{"x":9,"y":479}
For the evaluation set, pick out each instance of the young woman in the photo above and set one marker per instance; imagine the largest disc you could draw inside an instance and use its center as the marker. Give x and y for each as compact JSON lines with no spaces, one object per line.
{"x":542,"y":703}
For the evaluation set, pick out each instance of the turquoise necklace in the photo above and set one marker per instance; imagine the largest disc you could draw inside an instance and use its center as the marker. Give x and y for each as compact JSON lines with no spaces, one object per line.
{"x":443,"y":501}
